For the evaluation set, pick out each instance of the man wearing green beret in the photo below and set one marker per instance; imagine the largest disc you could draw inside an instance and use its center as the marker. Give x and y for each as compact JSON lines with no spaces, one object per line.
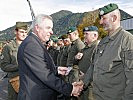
{"x":76,"y":45}
{"x":9,"y":57}
{"x":60,"y":48}
{"x":74,"y":48}
{"x":64,"y":56}
{"x":62,"y":59}
{"x":113,"y":60}
{"x":54,"y":50}
{"x":84,"y":57}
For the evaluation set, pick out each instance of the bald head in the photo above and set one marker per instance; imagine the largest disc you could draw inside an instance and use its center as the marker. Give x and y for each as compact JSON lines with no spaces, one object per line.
{"x":111,"y":21}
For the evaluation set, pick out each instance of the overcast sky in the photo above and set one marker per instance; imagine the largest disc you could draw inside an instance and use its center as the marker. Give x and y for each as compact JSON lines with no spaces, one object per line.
{"x":12,"y":11}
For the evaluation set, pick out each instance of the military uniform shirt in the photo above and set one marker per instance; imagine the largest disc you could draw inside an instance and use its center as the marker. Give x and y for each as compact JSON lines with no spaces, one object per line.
{"x":64,"y":56}
{"x":113,"y":67}
{"x":86,"y":60}
{"x":59,"y":56}
{"x":76,"y":47}
{"x":9,"y":59}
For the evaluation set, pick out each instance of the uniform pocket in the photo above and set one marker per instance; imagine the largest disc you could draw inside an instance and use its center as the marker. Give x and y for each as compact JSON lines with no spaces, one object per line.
{"x":115,"y":66}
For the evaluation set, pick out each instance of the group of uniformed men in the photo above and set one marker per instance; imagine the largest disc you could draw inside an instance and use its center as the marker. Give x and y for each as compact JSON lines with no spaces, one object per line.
{"x":109,"y":63}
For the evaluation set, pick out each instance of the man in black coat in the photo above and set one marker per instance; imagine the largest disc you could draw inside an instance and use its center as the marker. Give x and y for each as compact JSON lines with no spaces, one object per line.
{"x":38,"y":75}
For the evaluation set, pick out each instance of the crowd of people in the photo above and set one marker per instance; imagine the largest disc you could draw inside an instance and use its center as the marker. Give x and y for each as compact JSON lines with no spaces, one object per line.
{"x":42,"y":67}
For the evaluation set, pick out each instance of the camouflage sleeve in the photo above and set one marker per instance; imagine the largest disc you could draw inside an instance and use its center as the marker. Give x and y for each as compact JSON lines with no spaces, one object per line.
{"x":128,"y":65}
{"x":8,"y":62}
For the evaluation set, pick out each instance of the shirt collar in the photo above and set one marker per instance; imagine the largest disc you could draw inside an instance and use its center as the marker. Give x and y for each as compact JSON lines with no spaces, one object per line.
{"x":114,"y":34}
{"x":73,"y":42}
{"x":93,"y":43}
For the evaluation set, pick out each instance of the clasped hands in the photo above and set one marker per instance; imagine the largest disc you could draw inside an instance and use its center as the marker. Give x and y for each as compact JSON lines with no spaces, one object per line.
{"x":77,"y":88}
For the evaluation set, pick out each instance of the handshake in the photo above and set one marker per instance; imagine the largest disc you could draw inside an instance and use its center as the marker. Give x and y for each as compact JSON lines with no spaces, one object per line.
{"x":77,"y":88}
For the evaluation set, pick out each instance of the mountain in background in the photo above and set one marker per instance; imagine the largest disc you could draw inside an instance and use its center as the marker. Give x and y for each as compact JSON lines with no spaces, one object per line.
{"x":63,"y":20}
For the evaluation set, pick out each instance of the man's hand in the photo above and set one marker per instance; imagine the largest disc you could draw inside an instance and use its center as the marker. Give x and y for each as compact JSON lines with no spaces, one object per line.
{"x":79,"y":56}
{"x":62,"y":70}
{"x":81,"y":75}
{"x":77,"y":88}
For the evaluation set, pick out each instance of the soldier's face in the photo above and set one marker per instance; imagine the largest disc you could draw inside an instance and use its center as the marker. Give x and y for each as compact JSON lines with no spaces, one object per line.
{"x":66,"y":41}
{"x":90,"y":36}
{"x":44,"y":31}
{"x":71,"y":36}
{"x":106,"y":22}
{"x":21,"y":34}
{"x":60,"y":42}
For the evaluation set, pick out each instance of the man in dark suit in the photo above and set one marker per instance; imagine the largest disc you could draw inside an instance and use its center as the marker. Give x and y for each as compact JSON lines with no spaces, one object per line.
{"x":38,"y":75}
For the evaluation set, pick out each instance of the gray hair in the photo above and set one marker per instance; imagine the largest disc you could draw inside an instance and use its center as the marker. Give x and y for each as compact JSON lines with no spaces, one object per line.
{"x":117,"y":13}
{"x":39,"y":19}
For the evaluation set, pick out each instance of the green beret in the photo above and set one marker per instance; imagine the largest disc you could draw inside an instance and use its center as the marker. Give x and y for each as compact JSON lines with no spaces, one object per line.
{"x":71,"y":29}
{"x":60,"y":37}
{"x":90,"y":28}
{"x":21,"y":25}
{"x":64,"y":36}
{"x":54,"y":38}
{"x":107,"y":9}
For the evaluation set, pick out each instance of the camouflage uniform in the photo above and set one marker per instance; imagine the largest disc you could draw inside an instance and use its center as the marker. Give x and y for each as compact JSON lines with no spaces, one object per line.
{"x":9,"y":64}
{"x":113,"y":67}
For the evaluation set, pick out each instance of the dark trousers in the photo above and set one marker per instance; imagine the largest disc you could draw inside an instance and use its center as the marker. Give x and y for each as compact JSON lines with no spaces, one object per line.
{"x":12,"y":95}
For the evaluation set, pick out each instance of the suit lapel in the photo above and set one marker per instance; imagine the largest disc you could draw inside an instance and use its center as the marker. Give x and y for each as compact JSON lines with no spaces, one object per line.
{"x":49,"y":59}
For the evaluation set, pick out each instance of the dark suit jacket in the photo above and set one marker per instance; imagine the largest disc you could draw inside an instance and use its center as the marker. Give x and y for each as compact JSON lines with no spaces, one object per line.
{"x":38,"y":75}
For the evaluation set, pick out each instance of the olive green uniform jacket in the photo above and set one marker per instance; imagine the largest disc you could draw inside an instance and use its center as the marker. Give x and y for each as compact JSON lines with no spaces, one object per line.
{"x":84,"y":63}
{"x":76,"y":47}
{"x":9,"y":59}
{"x":113,"y":67}
{"x":53,"y":53}
{"x":64,"y":56}
{"x":9,"y":65}
{"x":86,"y":60}
{"x":59,"y":56}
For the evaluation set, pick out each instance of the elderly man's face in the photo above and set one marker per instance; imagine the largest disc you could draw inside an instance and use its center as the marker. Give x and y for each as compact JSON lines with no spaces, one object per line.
{"x":90,"y":36}
{"x":45,"y":30}
{"x":106,"y":22}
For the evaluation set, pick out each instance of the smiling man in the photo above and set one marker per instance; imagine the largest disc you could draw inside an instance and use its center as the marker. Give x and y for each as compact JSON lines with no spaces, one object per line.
{"x":113,"y":60}
{"x":9,"y":58}
{"x":38,"y":75}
